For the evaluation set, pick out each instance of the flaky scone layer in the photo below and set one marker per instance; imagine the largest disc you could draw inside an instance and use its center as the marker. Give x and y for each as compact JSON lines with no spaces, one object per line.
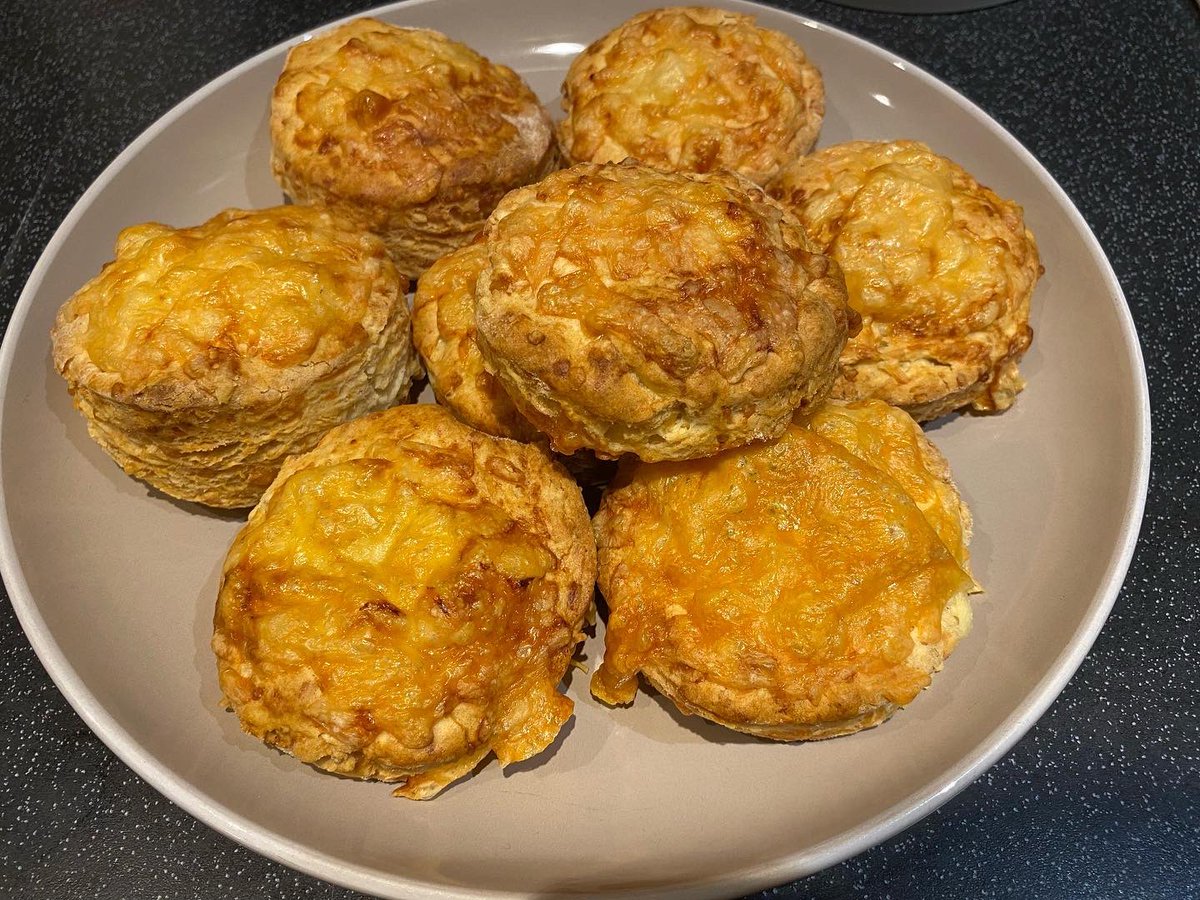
{"x":940,"y":267}
{"x":202,"y":357}
{"x":416,"y":135}
{"x":693,"y":89}
{"x":405,"y":600}
{"x":796,"y":589}
{"x":668,"y":315}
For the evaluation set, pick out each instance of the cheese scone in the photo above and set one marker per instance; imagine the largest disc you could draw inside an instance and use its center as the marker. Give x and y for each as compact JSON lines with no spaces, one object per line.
{"x":416,"y":135}
{"x":203,"y":357}
{"x":798,"y":589}
{"x":444,"y":335}
{"x":405,"y":600}
{"x":693,"y":89}
{"x":941,"y":269}
{"x":669,"y":315}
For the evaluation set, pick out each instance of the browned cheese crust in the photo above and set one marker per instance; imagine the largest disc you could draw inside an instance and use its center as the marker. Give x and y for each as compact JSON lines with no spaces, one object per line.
{"x":941,"y":269}
{"x":693,"y":89}
{"x":668,"y":315}
{"x":202,"y":357}
{"x":415,"y":134}
{"x":795,"y":590}
{"x":444,"y":333}
{"x":405,"y":600}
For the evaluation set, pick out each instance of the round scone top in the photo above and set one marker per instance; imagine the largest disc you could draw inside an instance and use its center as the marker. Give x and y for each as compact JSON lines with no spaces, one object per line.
{"x":693,"y":89}
{"x":670,"y":315}
{"x":940,"y":267}
{"x":191,"y":310}
{"x":444,"y":334}
{"x":794,"y":589}
{"x":413,"y":132}
{"x":202,"y":357}
{"x":405,"y":600}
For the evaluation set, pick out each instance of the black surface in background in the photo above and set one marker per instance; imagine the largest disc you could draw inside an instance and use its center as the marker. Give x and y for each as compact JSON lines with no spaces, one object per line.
{"x":1101,"y":799}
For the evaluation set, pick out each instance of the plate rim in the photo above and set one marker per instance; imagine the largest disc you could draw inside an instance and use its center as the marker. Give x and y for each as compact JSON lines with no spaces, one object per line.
{"x":829,"y":852}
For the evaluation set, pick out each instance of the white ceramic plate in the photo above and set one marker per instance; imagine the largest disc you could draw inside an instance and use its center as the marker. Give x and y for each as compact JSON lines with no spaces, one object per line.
{"x":115,"y":586}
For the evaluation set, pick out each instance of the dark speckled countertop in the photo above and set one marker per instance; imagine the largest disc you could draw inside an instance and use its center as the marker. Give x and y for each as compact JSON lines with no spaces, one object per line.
{"x":1101,"y":799}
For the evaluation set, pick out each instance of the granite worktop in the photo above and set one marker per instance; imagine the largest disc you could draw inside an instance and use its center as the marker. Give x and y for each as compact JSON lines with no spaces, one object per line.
{"x":1100,"y":799}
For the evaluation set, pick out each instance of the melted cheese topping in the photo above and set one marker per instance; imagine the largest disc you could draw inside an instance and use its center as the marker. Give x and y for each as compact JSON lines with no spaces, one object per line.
{"x":691,"y":274}
{"x":403,"y":604}
{"x":280,"y":286}
{"x":692,"y":90}
{"x":888,"y":439}
{"x":444,"y":332}
{"x":404,"y":103}
{"x":792,"y":566}
{"x":924,"y":248}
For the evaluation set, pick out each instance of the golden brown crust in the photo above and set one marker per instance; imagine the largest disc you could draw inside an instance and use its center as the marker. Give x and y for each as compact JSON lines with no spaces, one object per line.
{"x":692,"y":89}
{"x":405,"y":600}
{"x":203,"y":357}
{"x":759,"y":711}
{"x":416,"y":135}
{"x":444,"y":334}
{"x":794,"y":590}
{"x":628,"y":310}
{"x":940,"y":267}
